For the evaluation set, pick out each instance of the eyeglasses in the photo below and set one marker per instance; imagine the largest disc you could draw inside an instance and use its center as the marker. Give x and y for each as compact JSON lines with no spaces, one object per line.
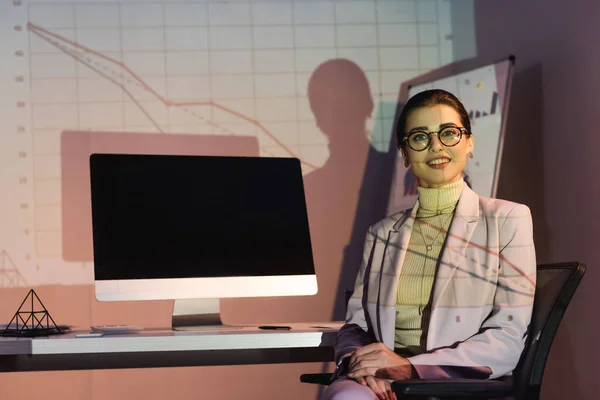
{"x":420,"y":140}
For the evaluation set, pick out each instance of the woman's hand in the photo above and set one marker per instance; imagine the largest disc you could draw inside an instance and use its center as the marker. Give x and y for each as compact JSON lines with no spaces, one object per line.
{"x":378,"y":360}
{"x":381,"y":387}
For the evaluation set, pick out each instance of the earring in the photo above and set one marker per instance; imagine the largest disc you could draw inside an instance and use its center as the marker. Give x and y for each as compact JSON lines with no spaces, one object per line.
{"x":406,"y":163}
{"x":470,"y":154}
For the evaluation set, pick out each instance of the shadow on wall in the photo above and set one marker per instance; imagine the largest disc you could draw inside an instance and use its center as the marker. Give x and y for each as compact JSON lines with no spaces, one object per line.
{"x":350,"y":192}
{"x":522,"y":180}
{"x":561,"y":369}
{"x":522,"y":169}
{"x":344,"y":197}
{"x":10,"y":276}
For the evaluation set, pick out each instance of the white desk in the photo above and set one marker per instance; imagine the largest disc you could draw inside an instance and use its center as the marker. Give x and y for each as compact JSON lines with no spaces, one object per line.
{"x":167,"y":348}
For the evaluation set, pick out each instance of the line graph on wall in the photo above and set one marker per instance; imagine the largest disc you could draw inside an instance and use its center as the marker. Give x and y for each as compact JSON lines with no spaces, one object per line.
{"x":238,"y":68}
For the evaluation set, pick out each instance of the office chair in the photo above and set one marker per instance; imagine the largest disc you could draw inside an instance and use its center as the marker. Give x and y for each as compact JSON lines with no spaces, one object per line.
{"x":555,"y":286}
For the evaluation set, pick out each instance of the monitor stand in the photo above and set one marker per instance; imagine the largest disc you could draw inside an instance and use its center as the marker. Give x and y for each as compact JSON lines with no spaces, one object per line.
{"x":197,"y":315}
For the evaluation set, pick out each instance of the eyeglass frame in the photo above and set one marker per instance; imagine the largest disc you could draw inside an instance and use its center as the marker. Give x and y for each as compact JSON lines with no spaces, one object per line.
{"x":461,"y":130}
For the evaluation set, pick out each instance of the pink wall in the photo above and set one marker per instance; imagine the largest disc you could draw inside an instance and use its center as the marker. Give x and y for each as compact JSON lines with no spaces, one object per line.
{"x":550,"y":160}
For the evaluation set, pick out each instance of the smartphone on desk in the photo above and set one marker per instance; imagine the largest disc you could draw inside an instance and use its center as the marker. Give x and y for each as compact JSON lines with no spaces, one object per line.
{"x":275,"y":327}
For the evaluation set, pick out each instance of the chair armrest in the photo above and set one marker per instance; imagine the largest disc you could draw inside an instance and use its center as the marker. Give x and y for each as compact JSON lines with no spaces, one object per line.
{"x":319,"y":379}
{"x":453,"y":388}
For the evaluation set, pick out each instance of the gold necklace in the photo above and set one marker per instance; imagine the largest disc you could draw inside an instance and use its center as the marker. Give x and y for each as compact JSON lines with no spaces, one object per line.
{"x":428,"y":248}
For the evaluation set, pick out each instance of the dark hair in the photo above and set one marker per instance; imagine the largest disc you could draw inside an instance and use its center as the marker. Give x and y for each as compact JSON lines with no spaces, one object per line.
{"x":430,"y":98}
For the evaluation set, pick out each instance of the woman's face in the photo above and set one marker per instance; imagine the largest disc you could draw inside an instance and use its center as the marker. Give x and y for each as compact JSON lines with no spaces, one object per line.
{"x":437,"y":165}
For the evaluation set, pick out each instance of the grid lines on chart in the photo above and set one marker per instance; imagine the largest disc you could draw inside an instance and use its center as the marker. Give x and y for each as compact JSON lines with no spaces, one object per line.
{"x":223,"y":64}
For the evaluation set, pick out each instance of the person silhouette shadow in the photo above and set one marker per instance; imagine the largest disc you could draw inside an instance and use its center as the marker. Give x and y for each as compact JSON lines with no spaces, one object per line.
{"x":344,"y":197}
{"x":350,"y":191}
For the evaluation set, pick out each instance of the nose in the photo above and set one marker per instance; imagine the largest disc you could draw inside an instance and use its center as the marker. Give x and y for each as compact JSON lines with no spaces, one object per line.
{"x":435,"y":145}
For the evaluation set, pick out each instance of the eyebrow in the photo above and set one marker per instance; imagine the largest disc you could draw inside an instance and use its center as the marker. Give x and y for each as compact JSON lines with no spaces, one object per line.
{"x":424,"y":128}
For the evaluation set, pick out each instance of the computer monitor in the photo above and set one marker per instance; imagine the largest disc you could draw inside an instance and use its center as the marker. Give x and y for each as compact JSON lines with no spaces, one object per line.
{"x":191,"y":227}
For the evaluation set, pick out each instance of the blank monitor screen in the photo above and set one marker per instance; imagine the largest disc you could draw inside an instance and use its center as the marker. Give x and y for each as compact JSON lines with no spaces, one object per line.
{"x":165,"y":216}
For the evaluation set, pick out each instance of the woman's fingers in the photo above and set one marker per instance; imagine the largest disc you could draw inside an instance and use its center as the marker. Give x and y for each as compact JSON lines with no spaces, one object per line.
{"x":364,"y":363}
{"x":373,"y":356}
{"x":385,"y":389}
{"x":361,"y":380}
{"x":363,"y":372}
{"x":370,"y":348}
{"x":384,"y":356}
{"x":388,"y":389}
{"x":376,"y":388}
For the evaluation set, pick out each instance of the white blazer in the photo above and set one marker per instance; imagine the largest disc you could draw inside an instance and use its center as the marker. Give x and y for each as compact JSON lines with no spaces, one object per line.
{"x":482,"y":295}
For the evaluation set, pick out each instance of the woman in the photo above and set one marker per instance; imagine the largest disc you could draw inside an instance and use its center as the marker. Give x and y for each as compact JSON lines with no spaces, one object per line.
{"x":445,"y":289}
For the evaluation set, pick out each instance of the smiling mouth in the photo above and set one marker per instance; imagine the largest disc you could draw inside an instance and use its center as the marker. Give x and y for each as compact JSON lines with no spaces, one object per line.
{"x":438,"y":161}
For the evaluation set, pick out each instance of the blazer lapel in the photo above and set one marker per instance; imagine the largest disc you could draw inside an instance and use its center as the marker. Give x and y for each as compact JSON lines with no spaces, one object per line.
{"x":394,"y":254}
{"x":457,"y":240}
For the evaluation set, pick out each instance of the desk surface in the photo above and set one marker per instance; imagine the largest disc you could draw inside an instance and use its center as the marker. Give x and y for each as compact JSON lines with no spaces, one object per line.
{"x":152,"y":348}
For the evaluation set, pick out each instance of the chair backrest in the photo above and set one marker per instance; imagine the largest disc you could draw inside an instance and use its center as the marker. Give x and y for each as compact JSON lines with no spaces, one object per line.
{"x":555,"y":287}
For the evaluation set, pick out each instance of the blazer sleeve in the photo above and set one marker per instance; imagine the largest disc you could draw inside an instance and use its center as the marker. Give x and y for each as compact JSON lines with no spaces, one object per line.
{"x":495,"y":350}
{"x":357,"y":331}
